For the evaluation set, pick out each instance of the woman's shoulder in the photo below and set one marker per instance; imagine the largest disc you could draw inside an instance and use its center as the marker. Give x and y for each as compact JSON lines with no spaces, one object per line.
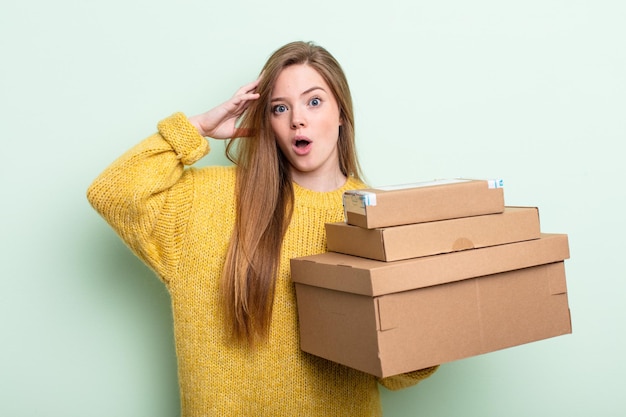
{"x":214,"y":182}
{"x":214,"y":172}
{"x":214,"y":177}
{"x":216,"y":169}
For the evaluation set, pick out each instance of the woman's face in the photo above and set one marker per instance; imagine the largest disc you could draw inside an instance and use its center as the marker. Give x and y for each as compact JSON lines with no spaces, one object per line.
{"x":305,"y":119}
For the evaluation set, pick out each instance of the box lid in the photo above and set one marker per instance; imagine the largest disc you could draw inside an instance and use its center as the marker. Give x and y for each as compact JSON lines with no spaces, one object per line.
{"x":370,"y":277}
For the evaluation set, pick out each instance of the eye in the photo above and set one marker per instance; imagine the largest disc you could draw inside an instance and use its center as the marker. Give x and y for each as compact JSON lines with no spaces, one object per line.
{"x":315,"y":102}
{"x":279,"y":108}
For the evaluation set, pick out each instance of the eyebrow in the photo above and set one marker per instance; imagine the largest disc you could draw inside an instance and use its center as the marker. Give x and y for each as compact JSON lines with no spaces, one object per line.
{"x":303,"y":93}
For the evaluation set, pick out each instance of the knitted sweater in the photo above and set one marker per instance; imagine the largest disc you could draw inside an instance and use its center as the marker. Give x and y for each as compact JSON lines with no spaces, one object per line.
{"x":179,"y":221}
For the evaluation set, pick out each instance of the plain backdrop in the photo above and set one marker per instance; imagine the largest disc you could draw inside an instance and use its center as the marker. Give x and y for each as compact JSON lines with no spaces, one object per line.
{"x":533,"y":92}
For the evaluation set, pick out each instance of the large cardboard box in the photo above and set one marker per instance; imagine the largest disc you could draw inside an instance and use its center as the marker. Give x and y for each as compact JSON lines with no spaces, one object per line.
{"x":431,"y":238}
{"x":387,"y":318}
{"x":422,"y":202}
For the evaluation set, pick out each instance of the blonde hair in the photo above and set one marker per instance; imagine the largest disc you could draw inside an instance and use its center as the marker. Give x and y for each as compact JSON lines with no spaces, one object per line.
{"x":265,"y":195}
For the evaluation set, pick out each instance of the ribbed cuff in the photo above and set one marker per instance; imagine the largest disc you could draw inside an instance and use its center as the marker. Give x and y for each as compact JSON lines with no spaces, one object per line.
{"x":184,"y":138}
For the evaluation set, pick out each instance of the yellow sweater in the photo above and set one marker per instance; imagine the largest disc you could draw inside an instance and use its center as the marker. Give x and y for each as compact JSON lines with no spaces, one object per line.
{"x":179,"y":222}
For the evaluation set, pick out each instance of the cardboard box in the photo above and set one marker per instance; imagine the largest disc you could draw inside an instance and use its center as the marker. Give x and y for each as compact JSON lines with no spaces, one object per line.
{"x":422,"y":202}
{"x":431,"y":238}
{"x":387,"y":318}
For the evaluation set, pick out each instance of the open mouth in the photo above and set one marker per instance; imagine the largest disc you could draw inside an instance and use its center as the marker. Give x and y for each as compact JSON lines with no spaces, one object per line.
{"x":302,"y":143}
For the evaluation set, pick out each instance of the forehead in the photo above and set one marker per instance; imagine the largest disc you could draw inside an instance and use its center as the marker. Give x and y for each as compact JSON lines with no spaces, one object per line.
{"x":296,"y":79}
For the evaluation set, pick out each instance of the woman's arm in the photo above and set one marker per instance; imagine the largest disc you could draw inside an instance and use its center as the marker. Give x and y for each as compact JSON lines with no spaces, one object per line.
{"x":144,"y":194}
{"x":137,"y":191}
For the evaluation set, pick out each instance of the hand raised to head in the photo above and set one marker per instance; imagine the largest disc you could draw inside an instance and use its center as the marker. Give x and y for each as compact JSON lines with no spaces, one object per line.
{"x":220,"y":122}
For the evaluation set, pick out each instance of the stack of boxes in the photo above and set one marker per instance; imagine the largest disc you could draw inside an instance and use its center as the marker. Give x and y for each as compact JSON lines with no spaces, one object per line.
{"x":429,"y":273}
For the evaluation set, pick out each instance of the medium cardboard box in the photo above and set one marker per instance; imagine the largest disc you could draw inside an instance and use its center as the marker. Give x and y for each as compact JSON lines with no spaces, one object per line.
{"x":422,"y":202}
{"x":431,"y":238}
{"x":388,"y":318}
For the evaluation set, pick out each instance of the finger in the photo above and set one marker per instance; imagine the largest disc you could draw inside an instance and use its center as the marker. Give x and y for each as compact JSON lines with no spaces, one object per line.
{"x":241,"y":102}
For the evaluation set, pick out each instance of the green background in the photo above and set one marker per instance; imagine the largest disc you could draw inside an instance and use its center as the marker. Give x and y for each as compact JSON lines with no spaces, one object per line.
{"x":533,"y":92}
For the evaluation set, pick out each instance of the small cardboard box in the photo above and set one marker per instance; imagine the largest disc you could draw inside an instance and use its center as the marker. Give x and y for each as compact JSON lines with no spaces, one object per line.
{"x":422,"y":202}
{"x":431,"y":238}
{"x":388,"y":318}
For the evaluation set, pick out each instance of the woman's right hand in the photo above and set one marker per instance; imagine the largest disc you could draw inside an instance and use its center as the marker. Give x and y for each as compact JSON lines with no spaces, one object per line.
{"x":220,"y":122}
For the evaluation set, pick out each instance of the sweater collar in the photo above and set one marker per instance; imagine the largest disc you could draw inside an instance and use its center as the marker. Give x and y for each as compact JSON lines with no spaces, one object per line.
{"x":326,"y":199}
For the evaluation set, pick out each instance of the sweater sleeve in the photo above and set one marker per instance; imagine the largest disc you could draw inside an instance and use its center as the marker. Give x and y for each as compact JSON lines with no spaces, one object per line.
{"x":401,"y":381}
{"x":146,"y":193}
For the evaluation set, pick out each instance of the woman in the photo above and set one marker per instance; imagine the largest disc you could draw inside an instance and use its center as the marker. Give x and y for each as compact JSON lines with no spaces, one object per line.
{"x":221,"y":238}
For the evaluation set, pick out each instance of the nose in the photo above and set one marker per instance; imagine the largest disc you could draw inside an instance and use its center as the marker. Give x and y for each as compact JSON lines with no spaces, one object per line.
{"x":297,"y":119}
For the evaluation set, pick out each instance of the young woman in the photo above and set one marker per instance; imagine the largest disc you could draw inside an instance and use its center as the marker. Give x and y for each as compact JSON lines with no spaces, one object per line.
{"x":221,"y":238}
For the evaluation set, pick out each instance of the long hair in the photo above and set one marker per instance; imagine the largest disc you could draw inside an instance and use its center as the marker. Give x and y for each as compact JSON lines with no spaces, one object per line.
{"x":264,"y":192}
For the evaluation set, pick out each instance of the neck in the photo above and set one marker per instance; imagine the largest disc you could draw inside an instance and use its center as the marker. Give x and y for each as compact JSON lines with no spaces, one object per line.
{"x":322,"y":182}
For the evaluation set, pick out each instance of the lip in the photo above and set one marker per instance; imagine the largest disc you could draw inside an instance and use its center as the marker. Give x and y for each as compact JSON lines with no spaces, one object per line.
{"x":299,"y":147}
